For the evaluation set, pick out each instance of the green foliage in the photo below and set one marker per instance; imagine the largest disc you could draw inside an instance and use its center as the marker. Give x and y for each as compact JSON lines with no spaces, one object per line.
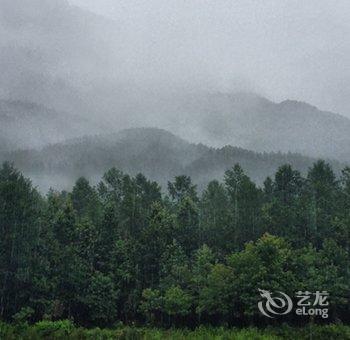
{"x":216,"y":230}
{"x":24,"y":315}
{"x":151,"y":303}
{"x":245,"y":202}
{"x":47,"y":329}
{"x":124,"y":253}
{"x":216,"y":295}
{"x":266,"y":263}
{"x":20,"y":208}
{"x":65,"y":330}
{"x":85,"y":200}
{"x":177,"y":301}
{"x":182,"y":187}
{"x":174,"y":267}
{"x":101,"y":299}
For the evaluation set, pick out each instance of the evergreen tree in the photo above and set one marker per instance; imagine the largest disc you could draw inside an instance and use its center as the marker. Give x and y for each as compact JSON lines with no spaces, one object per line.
{"x":85,"y":201}
{"x":20,"y":206}
{"x":324,"y":193}
{"x":215,"y":221}
{"x":245,"y":202}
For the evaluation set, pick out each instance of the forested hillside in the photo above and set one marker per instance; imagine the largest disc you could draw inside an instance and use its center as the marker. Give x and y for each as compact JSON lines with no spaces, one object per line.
{"x":156,"y":153}
{"x":122,"y":251}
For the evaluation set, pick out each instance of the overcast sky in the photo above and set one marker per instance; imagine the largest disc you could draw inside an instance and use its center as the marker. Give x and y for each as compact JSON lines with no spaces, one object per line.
{"x":281,"y":49}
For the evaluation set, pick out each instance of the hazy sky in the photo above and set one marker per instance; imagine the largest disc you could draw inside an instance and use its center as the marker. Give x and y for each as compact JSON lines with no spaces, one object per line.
{"x":281,"y":49}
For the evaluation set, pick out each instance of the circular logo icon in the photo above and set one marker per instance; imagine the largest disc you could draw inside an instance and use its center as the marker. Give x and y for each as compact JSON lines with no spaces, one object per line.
{"x":274,"y":305}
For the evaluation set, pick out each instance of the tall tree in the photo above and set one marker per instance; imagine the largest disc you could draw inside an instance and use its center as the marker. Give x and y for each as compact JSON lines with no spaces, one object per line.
{"x":182,"y":187}
{"x":215,"y":220}
{"x":284,"y":211}
{"x":245,"y":202}
{"x":324,"y":193}
{"x":85,"y":201}
{"x":20,"y":206}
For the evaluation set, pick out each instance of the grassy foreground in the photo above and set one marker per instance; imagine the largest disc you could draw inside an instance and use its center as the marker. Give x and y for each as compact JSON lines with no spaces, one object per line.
{"x":66,"y":330}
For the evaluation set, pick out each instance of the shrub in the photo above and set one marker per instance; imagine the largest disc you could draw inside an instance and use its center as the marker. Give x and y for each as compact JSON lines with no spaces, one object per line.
{"x":47,"y":328}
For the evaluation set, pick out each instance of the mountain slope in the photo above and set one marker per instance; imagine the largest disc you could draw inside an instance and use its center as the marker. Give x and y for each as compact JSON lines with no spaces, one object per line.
{"x":255,"y":123}
{"x":156,"y":153}
{"x":51,"y":53}
{"x":63,"y":57}
{"x":27,"y":125}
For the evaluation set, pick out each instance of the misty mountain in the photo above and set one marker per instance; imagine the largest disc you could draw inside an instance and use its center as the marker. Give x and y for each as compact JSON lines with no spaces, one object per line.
{"x":256,"y":123}
{"x":120,"y":74}
{"x":52,"y":53}
{"x":157,"y":153}
{"x":27,"y":125}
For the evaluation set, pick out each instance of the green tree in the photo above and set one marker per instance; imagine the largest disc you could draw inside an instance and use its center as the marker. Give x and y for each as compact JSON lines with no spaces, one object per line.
{"x":174,"y":267}
{"x":284,"y":213}
{"x":245,"y":200}
{"x":101,"y":300}
{"x":265,"y":264}
{"x":177,"y":302}
{"x":187,"y":226}
{"x":216,"y":296}
{"x":85,"y":200}
{"x":215,"y":220}
{"x":20,"y":206}
{"x":154,"y":241}
{"x":324,"y":193}
{"x":182,"y":187}
{"x":151,"y":304}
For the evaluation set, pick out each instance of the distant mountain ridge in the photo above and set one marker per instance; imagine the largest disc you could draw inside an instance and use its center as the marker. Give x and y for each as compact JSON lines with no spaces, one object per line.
{"x":78,"y":63}
{"x":243,"y":120}
{"x":255,"y":123}
{"x":157,"y":153}
{"x":26,"y":125}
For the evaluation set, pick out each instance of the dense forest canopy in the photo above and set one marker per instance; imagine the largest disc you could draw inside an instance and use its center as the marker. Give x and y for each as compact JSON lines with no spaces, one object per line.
{"x":122,"y":251}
